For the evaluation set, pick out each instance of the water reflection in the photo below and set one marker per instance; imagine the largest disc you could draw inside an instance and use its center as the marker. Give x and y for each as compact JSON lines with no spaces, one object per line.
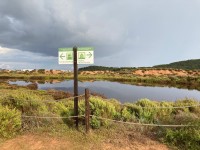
{"x":120,"y":91}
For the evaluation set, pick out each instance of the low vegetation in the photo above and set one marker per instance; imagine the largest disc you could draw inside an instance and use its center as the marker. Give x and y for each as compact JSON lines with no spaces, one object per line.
{"x":188,"y":64}
{"x":17,"y":103}
{"x":103,"y":68}
{"x":193,"y":64}
{"x":33,"y":76}
{"x":10,"y":121}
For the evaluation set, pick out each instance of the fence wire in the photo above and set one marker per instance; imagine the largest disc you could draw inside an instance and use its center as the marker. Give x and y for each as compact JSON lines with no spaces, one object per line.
{"x":116,"y":121}
{"x":143,"y":124}
{"x":173,"y":107}
{"x":49,"y":117}
{"x":64,"y":99}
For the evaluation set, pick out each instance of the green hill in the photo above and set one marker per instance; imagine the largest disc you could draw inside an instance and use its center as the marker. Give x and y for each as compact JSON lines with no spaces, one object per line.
{"x":103,"y":68}
{"x":187,"y":64}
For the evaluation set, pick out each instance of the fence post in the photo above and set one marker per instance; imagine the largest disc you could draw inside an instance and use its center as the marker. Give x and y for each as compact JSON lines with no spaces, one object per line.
{"x":75,"y":86}
{"x":87,"y":110}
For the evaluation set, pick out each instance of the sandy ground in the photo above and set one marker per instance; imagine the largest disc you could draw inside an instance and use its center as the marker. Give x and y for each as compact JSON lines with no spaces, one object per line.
{"x":161,"y":72}
{"x":151,"y":72}
{"x":45,"y":142}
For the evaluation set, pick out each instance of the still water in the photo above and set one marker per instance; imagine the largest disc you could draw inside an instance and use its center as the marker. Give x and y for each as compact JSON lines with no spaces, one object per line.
{"x":120,"y":91}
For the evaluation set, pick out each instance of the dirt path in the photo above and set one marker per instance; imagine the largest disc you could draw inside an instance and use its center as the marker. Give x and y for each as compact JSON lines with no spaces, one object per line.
{"x":34,"y":142}
{"x":45,"y":142}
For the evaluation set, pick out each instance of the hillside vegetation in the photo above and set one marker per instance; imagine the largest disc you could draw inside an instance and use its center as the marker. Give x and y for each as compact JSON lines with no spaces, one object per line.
{"x":104,"y":68}
{"x":187,"y":64}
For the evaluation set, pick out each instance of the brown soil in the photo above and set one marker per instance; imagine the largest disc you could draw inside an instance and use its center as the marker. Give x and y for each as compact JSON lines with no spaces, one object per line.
{"x":152,"y":72}
{"x":47,"y":142}
{"x":96,"y":72}
{"x":35,"y":142}
{"x":156,"y":72}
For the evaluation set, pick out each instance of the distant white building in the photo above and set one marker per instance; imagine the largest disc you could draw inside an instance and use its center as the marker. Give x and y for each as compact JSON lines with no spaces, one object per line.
{"x":27,"y":69}
{"x":66,"y":70}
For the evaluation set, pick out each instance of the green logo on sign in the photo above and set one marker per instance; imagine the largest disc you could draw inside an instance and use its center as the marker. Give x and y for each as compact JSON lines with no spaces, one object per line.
{"x":69,"y":56}
{"x":81,"y":55}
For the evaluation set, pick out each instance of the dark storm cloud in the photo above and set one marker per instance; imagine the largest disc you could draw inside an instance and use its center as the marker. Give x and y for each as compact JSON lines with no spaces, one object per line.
{"x":31,"y":26}
{"x":44,"y":26}
{"x":123,"y":32}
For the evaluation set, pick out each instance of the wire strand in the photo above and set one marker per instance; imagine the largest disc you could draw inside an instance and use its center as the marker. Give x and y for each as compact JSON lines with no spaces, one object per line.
{"x":174,"y":107}
{"x":48,"y":117}
{"x":141,"y":124}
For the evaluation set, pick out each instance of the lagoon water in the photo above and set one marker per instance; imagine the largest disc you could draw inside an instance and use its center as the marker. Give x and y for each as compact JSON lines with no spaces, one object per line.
{"x":122,"y":92}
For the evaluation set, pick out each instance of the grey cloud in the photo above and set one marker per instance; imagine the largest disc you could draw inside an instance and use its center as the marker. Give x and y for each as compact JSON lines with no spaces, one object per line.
{"x":57,"y":24}
{"x":122,"y":32}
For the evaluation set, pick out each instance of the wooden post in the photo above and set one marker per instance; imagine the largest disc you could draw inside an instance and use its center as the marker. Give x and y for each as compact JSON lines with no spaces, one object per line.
{"x":75,"y":86}
{"x":87,"y":110}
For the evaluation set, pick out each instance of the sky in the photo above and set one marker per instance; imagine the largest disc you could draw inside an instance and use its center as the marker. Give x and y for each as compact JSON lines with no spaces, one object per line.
{"x":132,"y":33}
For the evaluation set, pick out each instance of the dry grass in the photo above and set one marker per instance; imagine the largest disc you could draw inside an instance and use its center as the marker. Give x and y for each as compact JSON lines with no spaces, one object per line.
{"x":116,"y":138}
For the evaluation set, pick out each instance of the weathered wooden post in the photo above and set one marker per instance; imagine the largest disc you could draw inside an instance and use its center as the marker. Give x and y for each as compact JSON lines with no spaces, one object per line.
{"x":87,"y":110}
{"x":75,"y":86}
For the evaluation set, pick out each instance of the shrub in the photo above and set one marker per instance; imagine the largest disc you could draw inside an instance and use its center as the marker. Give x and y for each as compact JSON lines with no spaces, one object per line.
{"x":32,"y":86}
{"x":185,"y":138}
{"x":101,"y":108}
{"x":95,"y":123}
{"x":147,"y":114}
{"x":41,"y":71}
{"x":134,"y":110}
{"x":186,"y":102}
{"x":10,"y":122}
{"x":26,"y":101}
{"x":164,"y":115}
{"x":59,"y":94}
{"x":126,"y":115}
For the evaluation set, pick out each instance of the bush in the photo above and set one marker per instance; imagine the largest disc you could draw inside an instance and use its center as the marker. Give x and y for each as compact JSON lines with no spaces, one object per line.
{"x":185,"y":138}
{"x":95,"y":123}
{"x":32,"y":86}
{"x":10,"y":122}
{"x":101,"y":108}
{"x":59,"y":94}
{"x":26,"y":101}
{"x":126,"y":115}
{"x":41,"y":71}
{"x":164,"y":115}
{"x":131,"y":112}
{"x":186,"y":102}
{"x":147,"y":114}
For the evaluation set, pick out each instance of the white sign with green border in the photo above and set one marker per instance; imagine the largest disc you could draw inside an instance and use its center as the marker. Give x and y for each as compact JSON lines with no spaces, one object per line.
{"x":85,"y":55}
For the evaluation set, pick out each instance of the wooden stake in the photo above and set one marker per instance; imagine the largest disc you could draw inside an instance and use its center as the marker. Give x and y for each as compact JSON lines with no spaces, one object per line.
{"x":75,"y":86}
{"x":87,"y":110}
